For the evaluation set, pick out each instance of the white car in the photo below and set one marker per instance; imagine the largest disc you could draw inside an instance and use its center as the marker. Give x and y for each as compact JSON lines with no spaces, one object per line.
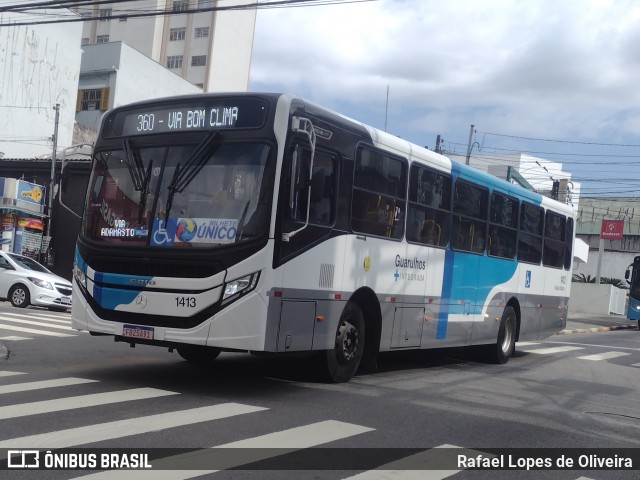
{"x":24,"y":282}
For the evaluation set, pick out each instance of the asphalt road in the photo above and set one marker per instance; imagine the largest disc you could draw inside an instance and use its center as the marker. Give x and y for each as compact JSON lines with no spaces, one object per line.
{"x":562,"y":395}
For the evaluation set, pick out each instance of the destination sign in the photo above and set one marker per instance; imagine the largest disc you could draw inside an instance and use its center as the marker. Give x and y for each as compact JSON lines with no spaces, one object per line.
{"x":230,"y":114}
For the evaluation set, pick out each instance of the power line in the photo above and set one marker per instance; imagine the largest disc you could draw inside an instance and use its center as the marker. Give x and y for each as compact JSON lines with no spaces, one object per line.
{"x":561,"y":141}
{"x":235,"y":7}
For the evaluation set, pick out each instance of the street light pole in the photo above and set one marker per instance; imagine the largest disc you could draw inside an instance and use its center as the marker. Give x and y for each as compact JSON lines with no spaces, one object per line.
{"x":470,"y":145}
{"x":53,"y":172}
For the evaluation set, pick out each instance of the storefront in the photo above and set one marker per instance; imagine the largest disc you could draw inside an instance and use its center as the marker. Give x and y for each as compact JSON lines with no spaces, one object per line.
{"x":22,"y":218}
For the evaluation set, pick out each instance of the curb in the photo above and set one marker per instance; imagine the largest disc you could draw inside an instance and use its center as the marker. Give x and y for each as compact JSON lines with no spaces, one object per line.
{"x":596,"y":329}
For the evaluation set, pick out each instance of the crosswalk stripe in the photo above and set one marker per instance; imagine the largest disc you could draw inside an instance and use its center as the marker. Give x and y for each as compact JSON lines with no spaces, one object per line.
{"x":526,"y":344}
{"x":52,"y":316}
{"x":131,"y":426}
{"x":258,"y":448}
{"x":550,"y":350}
{"x":13,"y":338}
{"x":37,"y":324}
{"x":425,"y":465}
{"x":37,"y":316}
{"x":15,"y":328}
{"x":38,"y":385}
{"x":10,"y":374}
{"x":72,"y":403}
{"x":604,"y":356}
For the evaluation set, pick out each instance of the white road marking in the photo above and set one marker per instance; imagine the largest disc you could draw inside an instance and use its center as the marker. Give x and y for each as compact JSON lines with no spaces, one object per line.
{"x":29,"y":386}
{"x":604,"y":356}
{"x":425,"y":460}
{"x":595,"y":345}
{"x":258,"y":448}
{"x":37,"y":324}
{"x":131,"y":426}
{"x":37,"y":316}
{"x":10,"y":374}
{"x":550,"y":350}
{"x":73,"y":403}
{"x":13,"y":338}
{"x":33,"y":330}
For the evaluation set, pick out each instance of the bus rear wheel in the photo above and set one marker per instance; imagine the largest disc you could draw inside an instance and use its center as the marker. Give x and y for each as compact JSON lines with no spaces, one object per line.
{"x":342,"y":362}
{"x":198,"y":354}
{"x":501,"y":351}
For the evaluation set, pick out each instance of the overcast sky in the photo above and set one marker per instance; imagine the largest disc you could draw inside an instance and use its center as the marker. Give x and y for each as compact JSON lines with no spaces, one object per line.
{"x":565,"y":70}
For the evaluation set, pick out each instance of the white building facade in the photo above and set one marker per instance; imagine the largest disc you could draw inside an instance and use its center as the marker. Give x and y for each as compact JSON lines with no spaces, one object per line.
{"x":210,"y":49}
{"x":535,"y":173}
{"x":39,"y":69}
{"x":114,"y":74}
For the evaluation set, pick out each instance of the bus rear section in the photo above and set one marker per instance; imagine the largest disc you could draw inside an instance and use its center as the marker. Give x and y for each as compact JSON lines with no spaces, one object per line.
{"x":632,"y":275}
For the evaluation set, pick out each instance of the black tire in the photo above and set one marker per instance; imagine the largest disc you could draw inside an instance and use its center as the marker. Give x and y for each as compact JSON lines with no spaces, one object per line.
{"x":505,"y":345}
{"x":342,"y":363}
{"x":198,"y":354}
{"x":19,"y":296}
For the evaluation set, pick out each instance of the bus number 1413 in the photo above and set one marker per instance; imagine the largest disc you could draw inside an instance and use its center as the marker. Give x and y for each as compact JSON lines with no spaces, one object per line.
{"x":188,"y":302}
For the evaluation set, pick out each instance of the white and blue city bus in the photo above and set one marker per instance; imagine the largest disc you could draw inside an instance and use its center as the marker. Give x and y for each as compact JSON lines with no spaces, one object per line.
{"x":265,"y":223}
{"x":632,"y":275}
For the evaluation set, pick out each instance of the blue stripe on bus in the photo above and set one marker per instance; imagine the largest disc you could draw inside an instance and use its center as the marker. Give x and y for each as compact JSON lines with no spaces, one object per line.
{"x":447,"y":285}
{"x":111,"y":298}
{"x":468,"y":278}
{"x":633,"y":310}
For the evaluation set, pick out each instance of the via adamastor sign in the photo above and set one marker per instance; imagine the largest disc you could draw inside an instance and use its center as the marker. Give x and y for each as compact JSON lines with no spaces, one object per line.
{"x":611,"y":229}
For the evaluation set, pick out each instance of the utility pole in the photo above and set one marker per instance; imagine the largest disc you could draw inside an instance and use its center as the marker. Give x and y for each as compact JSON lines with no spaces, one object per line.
{"x":386,"y":109}
{"x":469,"y":145}
{"x":53,"y":174}
{"x":438,"y":139}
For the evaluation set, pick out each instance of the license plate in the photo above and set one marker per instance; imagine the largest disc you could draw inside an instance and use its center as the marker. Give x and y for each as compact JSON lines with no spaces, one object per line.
{"x":65,"y":301}
{"x":137,"y":331}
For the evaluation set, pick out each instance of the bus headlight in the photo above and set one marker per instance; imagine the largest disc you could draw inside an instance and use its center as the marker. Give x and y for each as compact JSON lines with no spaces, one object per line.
{"x":239,"y":287}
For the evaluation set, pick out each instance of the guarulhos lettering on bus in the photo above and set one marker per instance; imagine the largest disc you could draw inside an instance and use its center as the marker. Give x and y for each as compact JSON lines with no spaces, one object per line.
{"x":410,"y":263}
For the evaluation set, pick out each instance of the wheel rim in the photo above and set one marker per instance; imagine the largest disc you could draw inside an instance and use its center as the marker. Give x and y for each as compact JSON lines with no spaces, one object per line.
{"x":18,"y":296}
{"x":347,"y":341}
{"x":508,"y":336}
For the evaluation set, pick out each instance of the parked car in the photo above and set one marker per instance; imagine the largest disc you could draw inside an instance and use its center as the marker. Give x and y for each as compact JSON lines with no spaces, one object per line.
{"x":24,"y":282}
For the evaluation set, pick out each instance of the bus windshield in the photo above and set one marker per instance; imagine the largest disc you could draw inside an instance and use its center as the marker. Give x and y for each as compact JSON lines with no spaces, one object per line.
{"x":197,"y":195}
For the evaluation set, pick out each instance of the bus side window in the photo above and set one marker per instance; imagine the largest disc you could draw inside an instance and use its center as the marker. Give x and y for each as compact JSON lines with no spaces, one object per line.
{"x":379,"y":193}
{"x":503,"y":223}
{"x":470,"y":217}
{"x":554,"y":245}
{"x":530,"y":237}
{"x":429,"y":214}
{"x":324,"y":182}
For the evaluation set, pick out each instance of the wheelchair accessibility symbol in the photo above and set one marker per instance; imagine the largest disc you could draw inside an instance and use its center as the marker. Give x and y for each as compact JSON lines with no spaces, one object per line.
{"x":162,"y":235}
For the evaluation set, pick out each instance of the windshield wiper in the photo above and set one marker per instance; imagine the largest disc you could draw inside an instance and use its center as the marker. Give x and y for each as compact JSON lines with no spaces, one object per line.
{"x":182,"y":176}
{"x":144,"y":192}
{"x":134,"y":164}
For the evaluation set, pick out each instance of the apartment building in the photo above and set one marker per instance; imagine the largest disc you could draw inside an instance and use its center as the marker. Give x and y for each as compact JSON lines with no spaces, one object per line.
{"x":209,"y":48}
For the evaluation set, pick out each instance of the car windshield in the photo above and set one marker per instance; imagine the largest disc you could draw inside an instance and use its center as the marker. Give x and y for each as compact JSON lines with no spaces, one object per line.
{"x":28,"y":263}
{"x":199,"y":195}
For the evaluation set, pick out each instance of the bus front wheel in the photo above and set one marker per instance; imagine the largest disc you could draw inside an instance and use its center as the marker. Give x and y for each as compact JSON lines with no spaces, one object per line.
{"x":198,"y":354}
{"x":343,"y":361}
{"x":501,"y":351}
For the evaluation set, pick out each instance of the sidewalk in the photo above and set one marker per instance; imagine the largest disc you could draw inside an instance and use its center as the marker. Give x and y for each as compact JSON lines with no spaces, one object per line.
{"x":586,"y":322}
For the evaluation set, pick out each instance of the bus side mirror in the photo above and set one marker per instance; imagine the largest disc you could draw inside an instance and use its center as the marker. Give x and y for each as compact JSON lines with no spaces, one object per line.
{"x":627,"y":275}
